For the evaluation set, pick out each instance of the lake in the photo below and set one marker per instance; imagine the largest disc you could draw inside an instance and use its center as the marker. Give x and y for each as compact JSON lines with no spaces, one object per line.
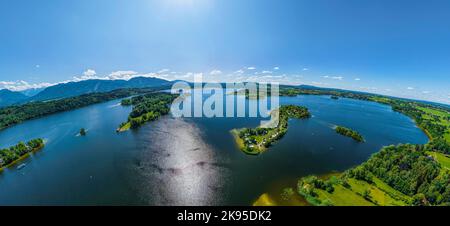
{"x":188,"y":161}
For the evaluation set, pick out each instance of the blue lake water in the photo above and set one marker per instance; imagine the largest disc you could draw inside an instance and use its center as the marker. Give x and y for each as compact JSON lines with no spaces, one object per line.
{"x":188,"y":161}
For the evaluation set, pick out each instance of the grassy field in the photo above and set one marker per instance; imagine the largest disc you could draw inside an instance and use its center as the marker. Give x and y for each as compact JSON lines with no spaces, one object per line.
{"x":125,"y":127}
{"x":378,"y":192}
{"x":343,"y":197}
{"x":357,"y":193}
{"x":443,"y":119}
{"x":439,"y":113}
{"x":402,"y":198}
{"x":443,"y":159}
{"x":351,"y":192}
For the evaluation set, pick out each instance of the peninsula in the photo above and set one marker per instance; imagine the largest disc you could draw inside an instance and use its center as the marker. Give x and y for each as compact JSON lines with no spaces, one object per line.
{"x":146,"y":108}
{"x":257,"y":140}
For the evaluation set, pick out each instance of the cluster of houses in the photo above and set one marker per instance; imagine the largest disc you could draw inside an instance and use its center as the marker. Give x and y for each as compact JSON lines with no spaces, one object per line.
{"x":250,"y":141}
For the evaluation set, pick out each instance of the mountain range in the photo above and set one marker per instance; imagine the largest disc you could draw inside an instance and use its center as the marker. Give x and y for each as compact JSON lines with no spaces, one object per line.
{"x":8,"y":97}
{"x":71,"y":89}
{"x":31,"y":92}
{"x":64,"y":90}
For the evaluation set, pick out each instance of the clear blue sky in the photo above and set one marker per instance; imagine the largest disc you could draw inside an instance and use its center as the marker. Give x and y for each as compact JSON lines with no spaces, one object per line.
{"x":399,"y":48}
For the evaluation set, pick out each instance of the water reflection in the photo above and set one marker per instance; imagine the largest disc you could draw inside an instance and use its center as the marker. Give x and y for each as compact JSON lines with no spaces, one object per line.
{"x":176,"y":167}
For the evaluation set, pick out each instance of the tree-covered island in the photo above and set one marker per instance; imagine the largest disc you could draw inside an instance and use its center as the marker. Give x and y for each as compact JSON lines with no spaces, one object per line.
{"x":349,"y":133}
{"x":126,"y":102}
{"x":257,"y":140}
{"x":146,"y":108}
{"x":11,"y":155}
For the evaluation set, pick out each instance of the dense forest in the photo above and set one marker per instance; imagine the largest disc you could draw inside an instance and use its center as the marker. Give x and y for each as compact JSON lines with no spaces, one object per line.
{"x":404,"y":175}
{"x":349,"y":133}
{"x":146,"y":108}
{"x":410,"y":170}
{"x":439,"y":145}
{"x":16,"y":114}
{"x":13,"y":153}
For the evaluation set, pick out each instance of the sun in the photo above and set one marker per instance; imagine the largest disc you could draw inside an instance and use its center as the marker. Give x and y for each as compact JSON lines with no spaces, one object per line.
{"x":187,"y":4}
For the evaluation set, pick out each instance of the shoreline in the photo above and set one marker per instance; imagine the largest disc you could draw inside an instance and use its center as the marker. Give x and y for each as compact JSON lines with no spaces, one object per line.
{"x":124,"y":128}
{"x":254,"y":141}
{"x":240,"y":143}
{"x":380,"y":185}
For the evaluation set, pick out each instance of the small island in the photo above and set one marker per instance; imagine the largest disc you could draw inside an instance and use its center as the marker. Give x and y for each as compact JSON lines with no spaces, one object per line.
{"x":126,"y":102}
{"x":349,"y":133}
{"x":10,"y":156}
{"x":257,"y":140}
{"x":146,"y":108}
{"x":250,"y":95}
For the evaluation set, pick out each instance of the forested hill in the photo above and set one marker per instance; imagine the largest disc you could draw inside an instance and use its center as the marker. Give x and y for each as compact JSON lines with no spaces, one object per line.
{"x":12,"y":115}
{"x":96,"y":86}
{"x":71,"y":89}
{"x":8,"y":97}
